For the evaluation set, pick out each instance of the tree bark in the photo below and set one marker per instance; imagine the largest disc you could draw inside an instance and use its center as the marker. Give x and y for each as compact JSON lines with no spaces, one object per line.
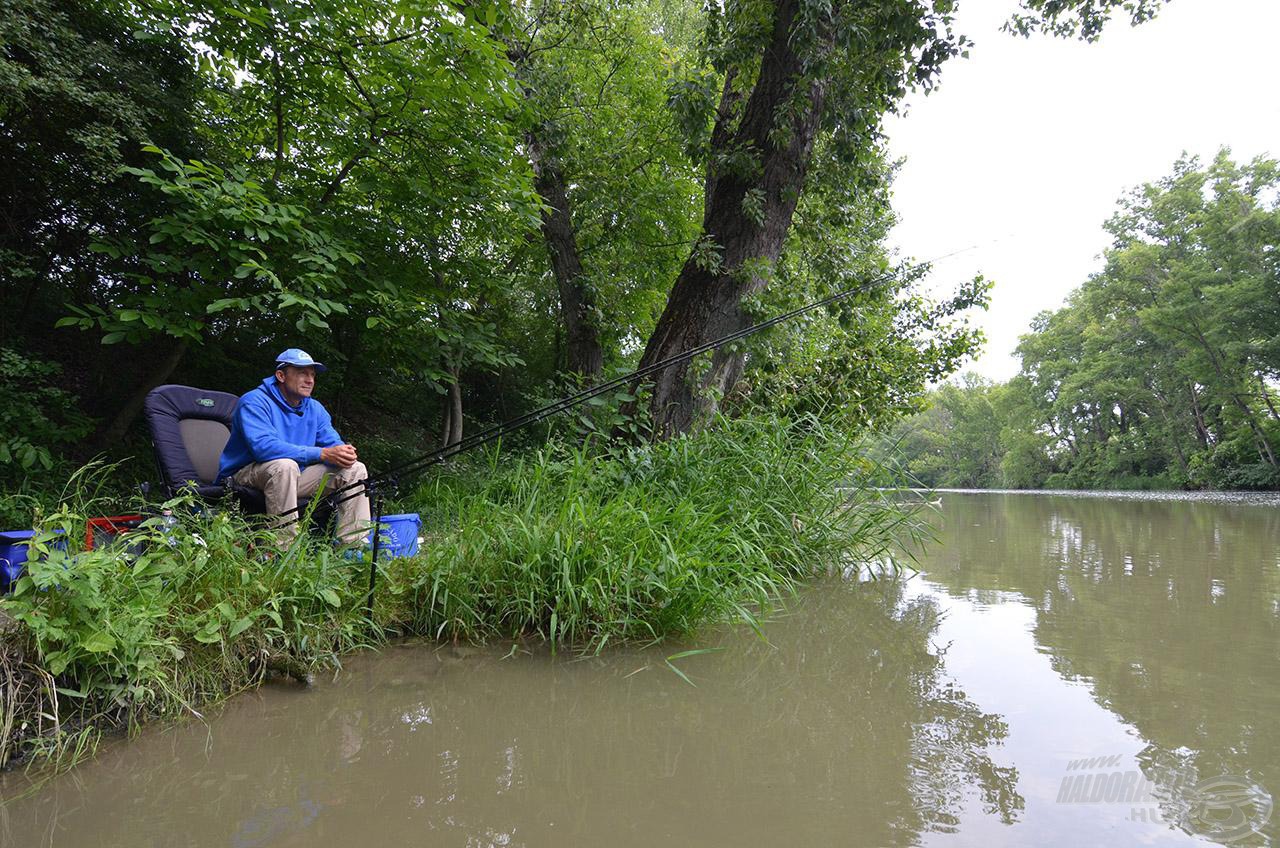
{"x":452,"y":427}
{"x":747,"y":214}
{"x":114,"y":433}
{"x":577,"y":305}
{"x":1266,"y":396}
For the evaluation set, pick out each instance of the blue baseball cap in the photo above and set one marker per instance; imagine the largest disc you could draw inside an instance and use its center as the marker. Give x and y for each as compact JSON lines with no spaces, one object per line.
{"x":299,"y":358}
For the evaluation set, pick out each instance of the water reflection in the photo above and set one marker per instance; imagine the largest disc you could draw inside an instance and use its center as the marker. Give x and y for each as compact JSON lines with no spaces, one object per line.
{"x":1167,"y":612}
{"x":843,"y":728}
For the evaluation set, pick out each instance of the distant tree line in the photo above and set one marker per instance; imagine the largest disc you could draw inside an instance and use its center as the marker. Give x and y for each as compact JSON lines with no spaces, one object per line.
{"x":1162,"y":370}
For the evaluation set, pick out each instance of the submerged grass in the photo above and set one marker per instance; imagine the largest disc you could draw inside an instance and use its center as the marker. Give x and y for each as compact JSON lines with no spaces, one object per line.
{"x":578,"y":547}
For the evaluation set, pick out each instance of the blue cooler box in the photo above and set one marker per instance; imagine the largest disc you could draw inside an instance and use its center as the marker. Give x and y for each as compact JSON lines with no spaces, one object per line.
{"x":399,"y":535}
{"x":13,"y":553}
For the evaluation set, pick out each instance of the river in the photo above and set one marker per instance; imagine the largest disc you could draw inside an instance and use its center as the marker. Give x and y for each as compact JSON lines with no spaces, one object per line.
{"x":1062,"y":671}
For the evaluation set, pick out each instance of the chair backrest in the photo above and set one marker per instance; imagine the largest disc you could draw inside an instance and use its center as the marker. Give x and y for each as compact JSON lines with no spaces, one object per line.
{"x":189,"y":428}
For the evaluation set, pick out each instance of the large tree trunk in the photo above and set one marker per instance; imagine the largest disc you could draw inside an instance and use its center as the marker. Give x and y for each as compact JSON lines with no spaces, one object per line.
{"x":746,"y":218}
{"x":577,"y":305}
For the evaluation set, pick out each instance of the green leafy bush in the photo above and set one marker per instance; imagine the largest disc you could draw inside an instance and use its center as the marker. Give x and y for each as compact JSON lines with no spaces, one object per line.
{"x":38,"y":419}
{"x":169,"y":618}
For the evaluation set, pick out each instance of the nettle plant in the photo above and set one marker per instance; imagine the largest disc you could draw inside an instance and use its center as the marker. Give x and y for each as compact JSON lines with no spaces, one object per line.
{"x":174,"y":615}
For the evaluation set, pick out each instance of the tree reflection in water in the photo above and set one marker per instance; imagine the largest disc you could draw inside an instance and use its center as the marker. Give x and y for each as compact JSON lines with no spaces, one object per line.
{"x":1169,"y":611}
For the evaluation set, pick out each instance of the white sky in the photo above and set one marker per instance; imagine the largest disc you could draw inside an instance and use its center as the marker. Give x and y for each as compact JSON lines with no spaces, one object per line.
{"x":1028,"y":143}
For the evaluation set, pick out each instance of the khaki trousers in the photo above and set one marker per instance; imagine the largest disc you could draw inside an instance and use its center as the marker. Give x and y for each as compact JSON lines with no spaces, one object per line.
{"x":283,"y":484}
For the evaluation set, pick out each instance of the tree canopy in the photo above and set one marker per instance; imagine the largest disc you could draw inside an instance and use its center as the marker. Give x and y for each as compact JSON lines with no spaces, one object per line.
{"x":466,"y":207}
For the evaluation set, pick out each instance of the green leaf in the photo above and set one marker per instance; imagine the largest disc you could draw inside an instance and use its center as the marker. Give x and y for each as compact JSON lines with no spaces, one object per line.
{"x":331,"y":597}
{"x":99,"y":643}
{"x":112,"y":338}
{"x":228,"y":611}
{"x":210,"y":633}
{"x":239,"y":627}
{"x":57,"y":662}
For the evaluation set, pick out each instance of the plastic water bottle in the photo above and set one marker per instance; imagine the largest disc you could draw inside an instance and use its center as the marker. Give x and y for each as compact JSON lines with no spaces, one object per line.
{"x":169,"y":523}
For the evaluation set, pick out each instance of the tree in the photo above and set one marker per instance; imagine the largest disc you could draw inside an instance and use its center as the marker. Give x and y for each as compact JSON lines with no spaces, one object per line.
{"x":797,"y":76}
{"x":79,"y":96}
{"x":1161,"y":369}
{"x":618,"y":192}
{"x":793,"y":71}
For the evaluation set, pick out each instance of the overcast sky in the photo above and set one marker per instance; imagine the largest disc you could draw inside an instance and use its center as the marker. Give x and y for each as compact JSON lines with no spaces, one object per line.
{"x":1026,"y":146}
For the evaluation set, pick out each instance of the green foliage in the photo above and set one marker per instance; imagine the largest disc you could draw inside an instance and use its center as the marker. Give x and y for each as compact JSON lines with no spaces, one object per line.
{"x":170,"y":618}
{"x":39,"y":420}
{"x":581,"y":547}
{"x":223,"y":246}
{"x":1082,"y":19}
{"x":79,"y":96}
{"x":955,"y":442}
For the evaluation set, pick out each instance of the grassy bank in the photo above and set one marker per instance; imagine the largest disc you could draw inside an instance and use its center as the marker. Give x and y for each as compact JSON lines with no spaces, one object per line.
{"x":578,"y":547}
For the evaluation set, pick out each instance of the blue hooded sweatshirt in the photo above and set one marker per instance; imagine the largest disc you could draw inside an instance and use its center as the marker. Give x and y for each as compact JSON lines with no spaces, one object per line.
{"x":266,"y":427}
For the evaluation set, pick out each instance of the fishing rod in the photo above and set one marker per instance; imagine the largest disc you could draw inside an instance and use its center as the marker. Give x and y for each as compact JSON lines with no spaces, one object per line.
{"x":392,"y":478}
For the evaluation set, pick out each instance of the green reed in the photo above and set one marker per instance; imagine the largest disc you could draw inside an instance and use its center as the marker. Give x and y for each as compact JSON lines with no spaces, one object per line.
{"x":582,"y":546}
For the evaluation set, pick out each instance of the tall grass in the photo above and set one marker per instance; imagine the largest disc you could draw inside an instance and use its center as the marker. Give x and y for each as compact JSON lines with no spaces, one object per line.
{"x":578,"y":546}
{"x":583,"y":547}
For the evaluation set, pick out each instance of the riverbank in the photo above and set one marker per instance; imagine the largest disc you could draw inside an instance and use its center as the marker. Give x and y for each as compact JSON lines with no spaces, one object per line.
{"x":578,"y":548}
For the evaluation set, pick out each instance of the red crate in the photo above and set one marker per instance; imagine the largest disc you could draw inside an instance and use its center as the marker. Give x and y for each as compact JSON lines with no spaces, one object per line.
{"x":105,"y":530}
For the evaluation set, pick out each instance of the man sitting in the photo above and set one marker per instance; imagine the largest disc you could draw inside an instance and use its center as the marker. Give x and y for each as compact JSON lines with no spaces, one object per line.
{"x":283,"y":442}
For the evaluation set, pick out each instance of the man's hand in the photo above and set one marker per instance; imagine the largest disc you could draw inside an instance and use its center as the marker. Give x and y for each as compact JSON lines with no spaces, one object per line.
{"x":343,"y":456}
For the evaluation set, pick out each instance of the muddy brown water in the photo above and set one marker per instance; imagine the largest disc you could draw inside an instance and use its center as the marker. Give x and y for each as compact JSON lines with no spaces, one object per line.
{"x":1064,"y":671}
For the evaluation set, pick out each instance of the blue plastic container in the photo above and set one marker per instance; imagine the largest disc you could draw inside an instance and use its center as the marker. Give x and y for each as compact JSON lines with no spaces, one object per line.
{"x":13,"y":554}
{"x":399,"y":535}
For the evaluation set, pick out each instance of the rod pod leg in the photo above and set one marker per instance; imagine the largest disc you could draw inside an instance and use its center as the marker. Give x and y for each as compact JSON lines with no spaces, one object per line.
{"x":373,"y":560}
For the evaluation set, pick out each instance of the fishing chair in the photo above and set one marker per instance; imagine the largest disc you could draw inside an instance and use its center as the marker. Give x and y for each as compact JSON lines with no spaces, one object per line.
{"x":189,"y":428}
